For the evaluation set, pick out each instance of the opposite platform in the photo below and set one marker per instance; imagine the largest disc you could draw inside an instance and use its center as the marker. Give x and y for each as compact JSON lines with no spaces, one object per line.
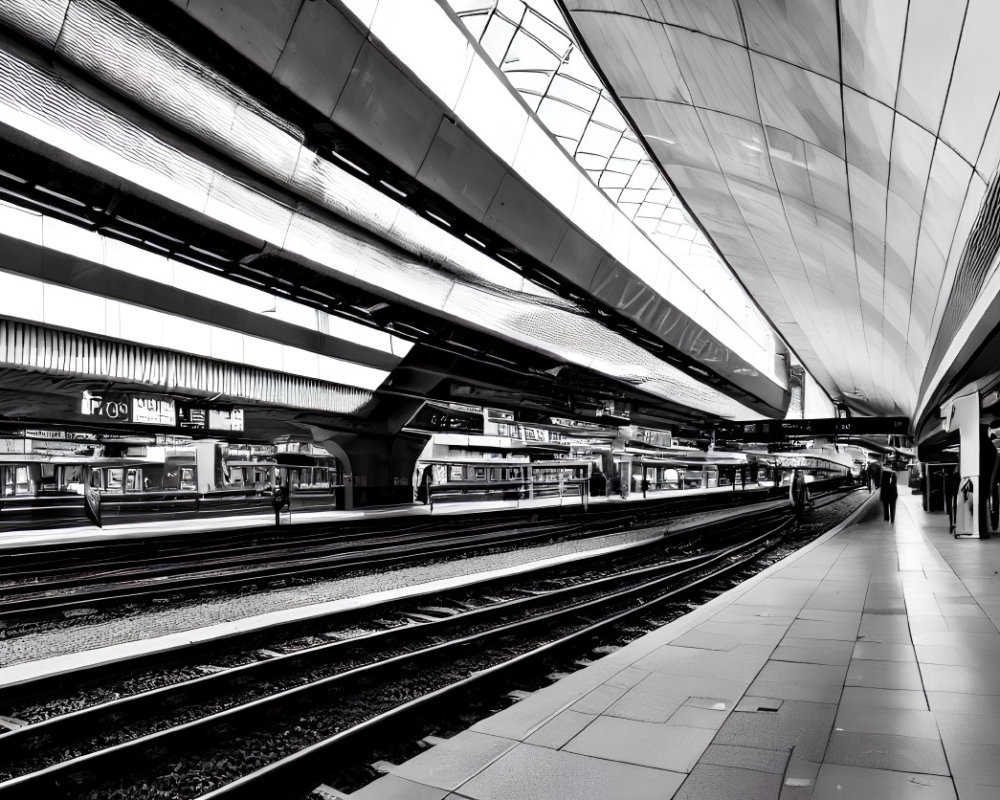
{"x":862,"y":666}
{"x":13,"y":539}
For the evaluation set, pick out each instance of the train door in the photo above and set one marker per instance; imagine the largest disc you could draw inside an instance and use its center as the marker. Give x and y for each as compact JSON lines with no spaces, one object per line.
{"x":93,"y":483}
{"x":14,"y":480}
{"x":189,"y":478}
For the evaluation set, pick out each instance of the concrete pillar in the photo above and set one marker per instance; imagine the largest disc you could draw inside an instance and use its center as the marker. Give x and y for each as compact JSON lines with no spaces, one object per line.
{"x":206,"y":459}
{"x":346,"y":501}
{"x":962,"y":413}
{"x":378,"y":469}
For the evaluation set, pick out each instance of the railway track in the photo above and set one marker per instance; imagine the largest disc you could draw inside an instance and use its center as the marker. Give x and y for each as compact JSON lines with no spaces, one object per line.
{"x":56,"y":579}
{"x":304,"y":707}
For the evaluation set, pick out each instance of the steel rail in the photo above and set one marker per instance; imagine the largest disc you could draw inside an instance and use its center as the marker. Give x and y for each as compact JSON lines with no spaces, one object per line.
{"x":38,"y":598}
{"x":39,"y":781}
{"x":305,"y":768}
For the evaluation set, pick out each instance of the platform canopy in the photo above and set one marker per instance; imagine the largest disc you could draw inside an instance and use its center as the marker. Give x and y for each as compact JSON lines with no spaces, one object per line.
{"x":840,"y":155}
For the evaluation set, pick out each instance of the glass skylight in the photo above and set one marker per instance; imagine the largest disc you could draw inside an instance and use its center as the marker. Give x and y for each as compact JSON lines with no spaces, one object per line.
{"x":530,"y":42}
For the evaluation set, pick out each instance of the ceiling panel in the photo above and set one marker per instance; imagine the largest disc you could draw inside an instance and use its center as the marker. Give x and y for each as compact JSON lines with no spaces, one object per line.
{"x":802,"y":103}
{"x":719,"y":18}
{"x":932,"y":32}
{"x":803,"y":32}
{"x":872,"y":46}
{"x":976,"y":81}
{"x":716,"y":72}
{"x":640,"y":60}
{"x":846,"y":215}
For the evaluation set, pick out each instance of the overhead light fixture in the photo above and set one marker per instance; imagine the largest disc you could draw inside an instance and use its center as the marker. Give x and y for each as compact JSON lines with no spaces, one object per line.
{"x":393,"y":189}
{"x":349,"y":163}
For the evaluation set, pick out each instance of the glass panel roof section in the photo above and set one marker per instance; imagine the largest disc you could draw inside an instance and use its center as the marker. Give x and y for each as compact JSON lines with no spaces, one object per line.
{"x":530,"y":42}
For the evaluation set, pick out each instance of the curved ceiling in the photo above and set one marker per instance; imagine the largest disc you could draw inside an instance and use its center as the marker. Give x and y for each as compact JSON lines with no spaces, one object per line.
{"x":841,"y":156}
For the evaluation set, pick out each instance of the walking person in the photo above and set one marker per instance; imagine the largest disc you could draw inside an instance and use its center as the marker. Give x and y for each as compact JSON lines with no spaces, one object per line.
{"x":951,"y":481}
{"x":279,"y":499}
{"x":798,"y":492}
{"x":874,"y":474}
{"x":887,"y":493}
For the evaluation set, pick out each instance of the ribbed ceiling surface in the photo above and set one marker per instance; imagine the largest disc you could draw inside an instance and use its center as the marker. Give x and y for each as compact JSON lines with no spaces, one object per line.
{"x":839,"y":155}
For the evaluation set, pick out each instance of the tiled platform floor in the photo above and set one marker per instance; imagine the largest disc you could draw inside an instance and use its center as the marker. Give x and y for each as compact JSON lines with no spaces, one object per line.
{"x":866,"y":666}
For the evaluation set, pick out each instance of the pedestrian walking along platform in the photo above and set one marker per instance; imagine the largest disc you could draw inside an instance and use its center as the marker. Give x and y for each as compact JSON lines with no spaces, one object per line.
{"x":863,"y":666}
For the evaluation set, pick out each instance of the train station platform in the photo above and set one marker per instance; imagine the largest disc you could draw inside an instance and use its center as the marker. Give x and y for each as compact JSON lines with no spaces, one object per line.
{"x":12,"y":539}
{"x":863,"y":666}
{"x":98,"y":641}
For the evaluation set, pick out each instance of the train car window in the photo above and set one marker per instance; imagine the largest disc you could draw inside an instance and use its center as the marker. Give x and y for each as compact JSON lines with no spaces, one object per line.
{"x":23,"y":485}
{"x":114,"y":478}
{"x":132,"y":483}
{"x":7,"y":473}
{"x":479,"y":473}
{"x":95,"y":479}
{"x":72,"y":474}
{"x":187,"y":478}
{"x":152,"y":477}
{"x":233,"y":476}
{"x":48,"y":481}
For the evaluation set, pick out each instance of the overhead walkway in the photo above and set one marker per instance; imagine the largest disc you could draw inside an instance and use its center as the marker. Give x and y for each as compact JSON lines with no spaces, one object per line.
{"x":863,"y":666}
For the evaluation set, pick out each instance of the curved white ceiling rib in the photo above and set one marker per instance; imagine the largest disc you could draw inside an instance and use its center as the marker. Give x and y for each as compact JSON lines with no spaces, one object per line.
{"x":529,"y":41}
{"x":47,"y":107}
{"x":838,"y":153}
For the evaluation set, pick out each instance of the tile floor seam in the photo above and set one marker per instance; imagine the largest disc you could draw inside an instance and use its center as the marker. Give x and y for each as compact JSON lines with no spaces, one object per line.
{"x":840,"y":699}
{"x":920,"y":670}
{"x":816,"y":545}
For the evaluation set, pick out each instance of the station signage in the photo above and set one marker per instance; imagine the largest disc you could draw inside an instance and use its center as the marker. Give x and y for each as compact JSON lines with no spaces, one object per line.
{"x":249,"y":452}
{"x":84,"y":436}
{"x":464,"y":408}
{"x":153,"y":411}
{"x":114,"y":408}
{"x":164,"y":411}
{"x":564,"y":422}
{"x":776,"y":430}
{"x":139,"y":409}
{"x":225,"y":419}
{"x":192,"y":417}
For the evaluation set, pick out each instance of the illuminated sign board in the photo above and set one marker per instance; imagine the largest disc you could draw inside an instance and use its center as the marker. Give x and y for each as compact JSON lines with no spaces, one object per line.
{"x":140,"y":409}
{"x":149,"y":410}
{"x":776,"y":430}
{"x":192,"y":417}
{"x":153,"y":411}
{"x":116,"y":408}
{"x":225,"y":419}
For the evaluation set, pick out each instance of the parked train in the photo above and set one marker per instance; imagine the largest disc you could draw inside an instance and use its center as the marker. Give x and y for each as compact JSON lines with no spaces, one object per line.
{"x":455,"y":479}
{"x":466,"y":479}
{"x":207,"y":479}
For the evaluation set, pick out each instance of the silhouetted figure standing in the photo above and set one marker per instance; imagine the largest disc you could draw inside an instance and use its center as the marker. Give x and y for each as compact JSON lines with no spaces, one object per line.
{"x":279,"y":500}
{"x":873,"y":476}
{"x":951,"y":481}
{"x":887,"y":493}
{"x":798,"y":492}
{"x":598,"y":484}
{"x":424,"y":486}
